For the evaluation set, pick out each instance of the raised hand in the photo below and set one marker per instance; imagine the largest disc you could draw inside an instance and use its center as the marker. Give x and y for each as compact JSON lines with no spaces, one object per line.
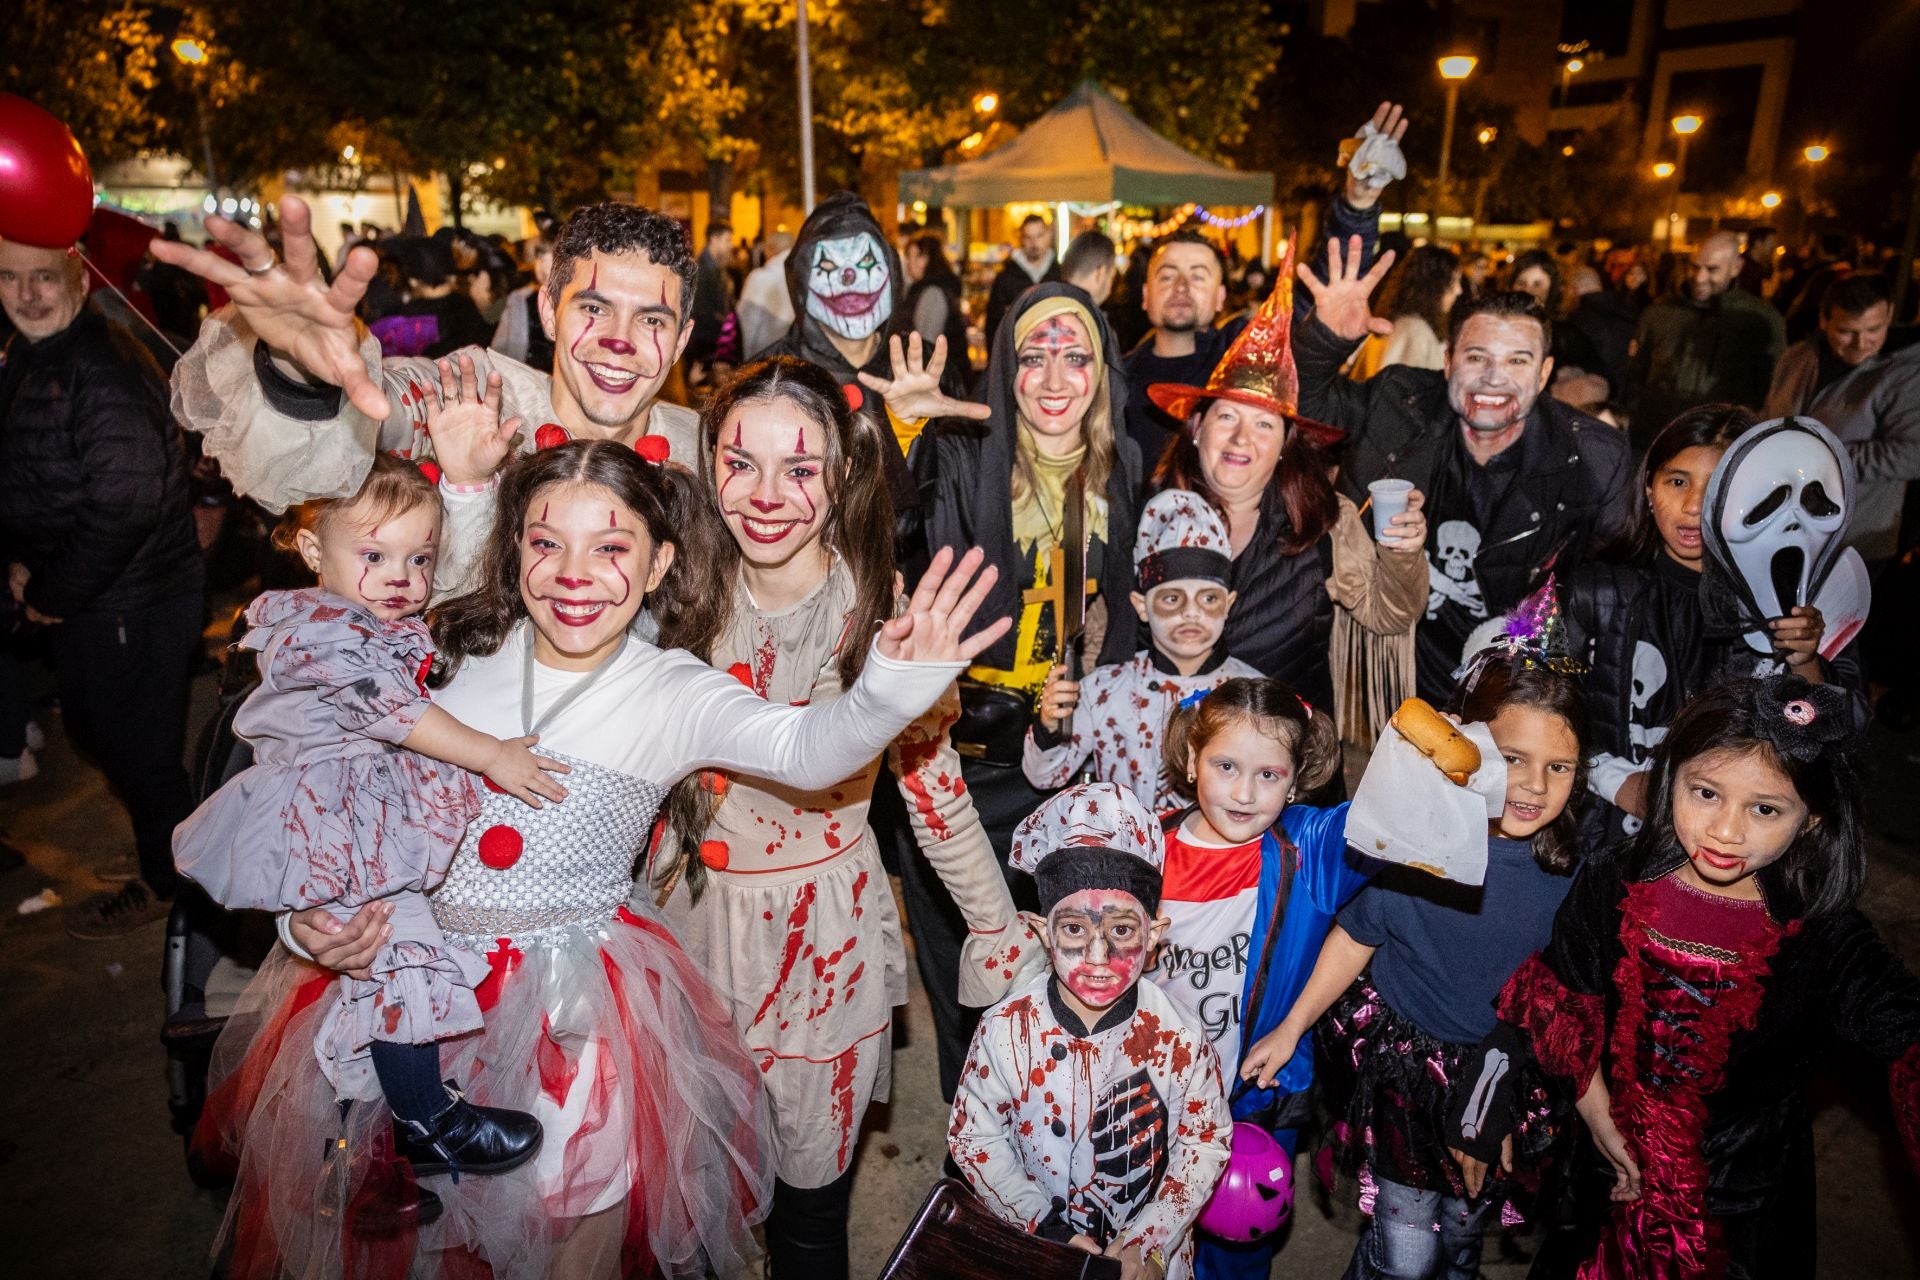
{"x":942,"y":606}
{"x":469,"y":439}
{"x":913,"y":393}
{"x":1372,"y":157}
{"x":289,"y":305}
{"x":1341,"y":303}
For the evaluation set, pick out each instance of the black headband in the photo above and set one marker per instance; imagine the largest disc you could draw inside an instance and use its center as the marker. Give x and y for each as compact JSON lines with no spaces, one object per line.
{"x":1068,"y":871}
{"x":1176,"y":563}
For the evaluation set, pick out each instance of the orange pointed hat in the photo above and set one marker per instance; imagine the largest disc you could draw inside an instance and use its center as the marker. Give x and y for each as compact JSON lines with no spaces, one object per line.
{"x":1258,"y":369}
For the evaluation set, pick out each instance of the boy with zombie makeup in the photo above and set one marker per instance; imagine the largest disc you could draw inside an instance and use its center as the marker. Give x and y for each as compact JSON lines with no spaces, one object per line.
{"x":1088,"y":1111}
{"x":1117,"y":715}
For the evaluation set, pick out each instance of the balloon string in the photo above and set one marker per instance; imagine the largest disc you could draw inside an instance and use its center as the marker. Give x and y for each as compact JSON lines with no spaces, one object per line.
{"x":138,"y":314}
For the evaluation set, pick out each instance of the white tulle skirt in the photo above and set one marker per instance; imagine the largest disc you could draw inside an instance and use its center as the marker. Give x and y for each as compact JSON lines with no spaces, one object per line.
{"x":655,"y":1156}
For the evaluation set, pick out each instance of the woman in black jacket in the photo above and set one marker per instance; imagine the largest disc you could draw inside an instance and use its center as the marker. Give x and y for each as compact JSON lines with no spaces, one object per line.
{"x":1055,"y":393}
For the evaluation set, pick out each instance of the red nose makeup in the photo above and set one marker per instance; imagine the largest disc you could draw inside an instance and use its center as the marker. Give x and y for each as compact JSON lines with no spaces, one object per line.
{"x":759,"y":505}
{"x":619,"y":346}
{"x":573,"y":584}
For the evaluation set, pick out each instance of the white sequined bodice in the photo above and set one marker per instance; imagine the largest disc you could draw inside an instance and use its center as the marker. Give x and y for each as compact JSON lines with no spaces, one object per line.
{"x":523,"y":871}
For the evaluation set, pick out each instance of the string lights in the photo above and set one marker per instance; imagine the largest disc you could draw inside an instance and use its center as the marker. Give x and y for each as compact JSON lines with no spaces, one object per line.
{"x":1219,"y":223}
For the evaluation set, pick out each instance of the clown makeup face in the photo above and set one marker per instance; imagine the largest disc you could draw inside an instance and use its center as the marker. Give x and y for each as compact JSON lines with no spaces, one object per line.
{"x":1242,"y":779}
{"x":1496,"y":368}
{"x":770,"y":474}
{"x":1734,"y":812}
{"x":850,"y":285}
{"x":386,"y":567}
{"x":1186,"y":617}
{"x":1677,"y":494}
{"x":617,"y":330}
{"x":586,"y":563}
{"x":1053,"y":380}
{"x":1543,"y":757}
{"x":1099,"y":940}
{"x":1239,"y":448}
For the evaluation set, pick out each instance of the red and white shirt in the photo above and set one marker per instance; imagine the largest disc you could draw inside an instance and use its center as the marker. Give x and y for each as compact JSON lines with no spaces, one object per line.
{"x":1210,"y":893}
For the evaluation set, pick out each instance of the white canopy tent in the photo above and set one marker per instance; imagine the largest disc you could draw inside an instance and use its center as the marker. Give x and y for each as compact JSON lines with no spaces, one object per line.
{"x":1088,"y":149}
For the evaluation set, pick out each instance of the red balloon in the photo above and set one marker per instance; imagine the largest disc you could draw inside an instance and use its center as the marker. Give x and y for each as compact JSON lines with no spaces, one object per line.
{"x":46,"y":187}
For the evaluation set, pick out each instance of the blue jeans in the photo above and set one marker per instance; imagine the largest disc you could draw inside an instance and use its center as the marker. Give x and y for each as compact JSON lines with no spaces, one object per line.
{"x":1418,"y":1235}
{"x":1219,"y":1260}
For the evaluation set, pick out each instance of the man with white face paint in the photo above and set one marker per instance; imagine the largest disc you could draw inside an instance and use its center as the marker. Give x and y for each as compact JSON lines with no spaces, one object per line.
{"x":1537,"y":483}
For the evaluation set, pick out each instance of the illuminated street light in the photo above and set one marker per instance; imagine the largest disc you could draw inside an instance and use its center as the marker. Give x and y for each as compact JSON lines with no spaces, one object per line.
{"x":986,"y":103}
{"x":1664,"y":169}
{"x":1567,"y":150}
{"x":347,"y":153}
{"x":1770,"y":200}
{"x":1487,"y":134}
{"x":1686,"y":126}
{"x":1453,"y":69}
{"x":1816,"y":153}
{"x":1575,"y":66}
{"x":1568,"y":70}
{"x":190,"y":52}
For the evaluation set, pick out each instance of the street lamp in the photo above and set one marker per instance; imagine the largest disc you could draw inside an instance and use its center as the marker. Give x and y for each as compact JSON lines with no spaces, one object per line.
{"x":1487,"y":134}
{"x":1663,"y":169}
{"x":1684,"y":127}
{"x":1770,"y":200}
{"x":1816,"y":153}
{"x":1453,"y":69}
{"x":986,"y":103}
{"x":1568,"y":70}
{"x":189,"y":52}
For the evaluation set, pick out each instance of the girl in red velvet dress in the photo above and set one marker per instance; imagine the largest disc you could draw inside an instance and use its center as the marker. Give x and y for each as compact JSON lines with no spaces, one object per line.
{"x":1692,"y":981}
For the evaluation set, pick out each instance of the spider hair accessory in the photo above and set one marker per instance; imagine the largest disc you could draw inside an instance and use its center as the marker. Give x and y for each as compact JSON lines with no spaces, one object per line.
{"x":1802,"y":721}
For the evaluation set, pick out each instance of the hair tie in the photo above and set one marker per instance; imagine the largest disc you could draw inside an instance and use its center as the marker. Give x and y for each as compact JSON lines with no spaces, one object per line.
{"x":1305,"y":706}
{"x":549,"y":435}
{"x":1802,"y":721}
{"x":431,"y":470}
{"x":653,"y":448}
{"x":855,"y":397}
{"x":1194,"y":699}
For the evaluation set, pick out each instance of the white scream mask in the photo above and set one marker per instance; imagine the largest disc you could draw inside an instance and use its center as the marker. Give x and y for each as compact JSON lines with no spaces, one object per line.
{"x":850,"y":285}
{"x":1778,"y":505}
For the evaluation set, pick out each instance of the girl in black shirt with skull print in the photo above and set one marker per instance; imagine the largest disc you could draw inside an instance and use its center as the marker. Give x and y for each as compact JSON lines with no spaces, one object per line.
{"x":1648,"y":646}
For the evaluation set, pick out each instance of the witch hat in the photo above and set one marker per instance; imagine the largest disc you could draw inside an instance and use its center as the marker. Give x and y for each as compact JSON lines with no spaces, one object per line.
{"x":1258,"y":369}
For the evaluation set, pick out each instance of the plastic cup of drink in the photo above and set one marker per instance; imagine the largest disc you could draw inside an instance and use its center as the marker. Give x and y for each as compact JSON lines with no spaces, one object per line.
{"x":1389,"y":498}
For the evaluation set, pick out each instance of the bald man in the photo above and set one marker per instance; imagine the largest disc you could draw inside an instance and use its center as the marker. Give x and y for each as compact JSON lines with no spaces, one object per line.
{"x":1705,"y":343}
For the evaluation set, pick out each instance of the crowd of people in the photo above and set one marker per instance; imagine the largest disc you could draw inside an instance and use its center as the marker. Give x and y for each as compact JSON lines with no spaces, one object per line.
{"x":643,"y":606}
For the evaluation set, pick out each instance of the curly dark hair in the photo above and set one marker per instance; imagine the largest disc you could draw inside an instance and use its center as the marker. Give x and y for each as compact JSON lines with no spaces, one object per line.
{"x":610,"y":227}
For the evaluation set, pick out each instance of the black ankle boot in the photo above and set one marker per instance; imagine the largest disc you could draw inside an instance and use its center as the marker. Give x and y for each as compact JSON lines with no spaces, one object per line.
{"x":467,"y":1139}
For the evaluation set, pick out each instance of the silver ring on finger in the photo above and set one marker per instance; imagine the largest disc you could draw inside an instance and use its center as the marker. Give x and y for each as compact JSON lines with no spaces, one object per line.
{"x":271,"y":262}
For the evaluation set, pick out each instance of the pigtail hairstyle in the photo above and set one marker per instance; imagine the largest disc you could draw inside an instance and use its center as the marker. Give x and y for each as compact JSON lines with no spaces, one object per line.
{"x":1524,"y":680}
{"x":477,"y":624}
{"x":1272,"y":707}
{"x":859,"y":530}
{"x":1300,"y":478}
{"x":1807,"y":731}
{"x":392,"y":487}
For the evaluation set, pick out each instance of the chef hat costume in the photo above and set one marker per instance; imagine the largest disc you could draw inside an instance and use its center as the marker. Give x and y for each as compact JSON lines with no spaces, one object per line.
{"x":1094,"y":836}
{"x":1181,"y":536}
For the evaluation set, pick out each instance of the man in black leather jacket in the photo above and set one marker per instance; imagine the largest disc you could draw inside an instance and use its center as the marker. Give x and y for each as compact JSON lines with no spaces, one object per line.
{"x":100,"y":547}
{"x":1518,"y":485}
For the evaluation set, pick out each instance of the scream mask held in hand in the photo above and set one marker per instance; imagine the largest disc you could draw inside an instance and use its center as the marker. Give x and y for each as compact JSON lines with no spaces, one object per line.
{"x":849,"y":285}
{"x":1775,"y":526}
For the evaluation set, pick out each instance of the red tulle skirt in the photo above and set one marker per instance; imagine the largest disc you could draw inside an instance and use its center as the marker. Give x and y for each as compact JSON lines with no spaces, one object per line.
{"x":655,"y":1157}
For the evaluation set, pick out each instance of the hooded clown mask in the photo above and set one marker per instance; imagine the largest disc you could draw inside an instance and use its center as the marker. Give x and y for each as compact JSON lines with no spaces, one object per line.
{"x":1775,"y":525}
{"x":849,"y":284}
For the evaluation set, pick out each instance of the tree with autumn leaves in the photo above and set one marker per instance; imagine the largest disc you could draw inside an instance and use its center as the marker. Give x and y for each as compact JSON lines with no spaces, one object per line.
{"x":561,"y":102}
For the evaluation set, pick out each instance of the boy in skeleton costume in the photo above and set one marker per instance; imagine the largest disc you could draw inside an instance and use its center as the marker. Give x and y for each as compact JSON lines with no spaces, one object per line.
{"x":293,"y":398}
{"x":1182,"y":566}
{"x":1088,"y":1111}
